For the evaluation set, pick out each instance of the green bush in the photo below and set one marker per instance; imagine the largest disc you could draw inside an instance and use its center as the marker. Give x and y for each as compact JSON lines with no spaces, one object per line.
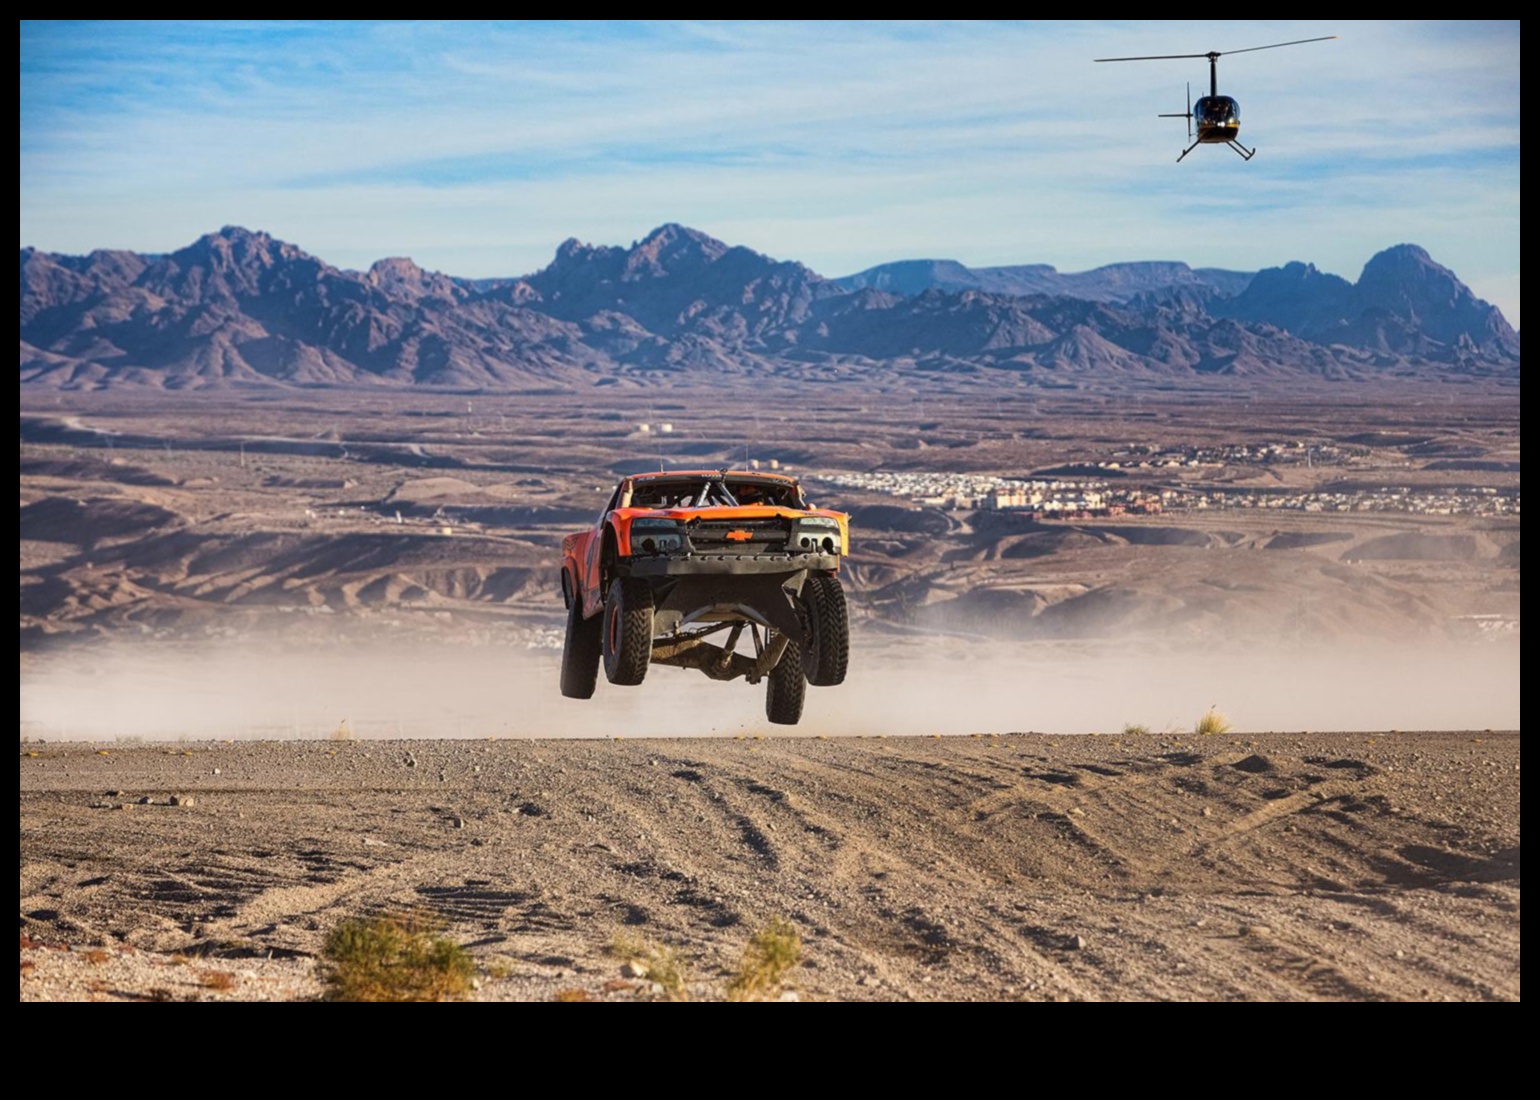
{"x":770,"y":954}
{"x":394,"y":959}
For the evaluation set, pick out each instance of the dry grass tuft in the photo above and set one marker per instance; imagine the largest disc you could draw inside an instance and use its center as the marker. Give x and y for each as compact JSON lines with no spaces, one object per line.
{"x":1134,"y":730}
{"x":1212,"y":722}
{"x":770,"y":954}
{"x":571,"y":995}
{"x":394,"y":959}
{"x":220,"y":981}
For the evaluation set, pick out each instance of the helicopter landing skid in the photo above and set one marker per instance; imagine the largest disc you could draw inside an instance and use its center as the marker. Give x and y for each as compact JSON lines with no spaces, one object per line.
{"x":1240,"y":150}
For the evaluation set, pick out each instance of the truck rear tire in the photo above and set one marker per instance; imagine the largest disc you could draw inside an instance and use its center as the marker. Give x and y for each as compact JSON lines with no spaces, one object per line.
{"x":826,"y":624}
{"x":785,"y":688}
{"x":627,"y":630}
{"x":580,"y":653}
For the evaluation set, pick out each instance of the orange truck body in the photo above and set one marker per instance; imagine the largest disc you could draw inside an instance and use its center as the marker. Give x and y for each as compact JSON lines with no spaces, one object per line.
{"x":772,"y":535}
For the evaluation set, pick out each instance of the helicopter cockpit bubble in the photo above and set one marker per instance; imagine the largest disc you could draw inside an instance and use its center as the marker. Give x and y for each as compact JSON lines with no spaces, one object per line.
{"x":1217,"y":110}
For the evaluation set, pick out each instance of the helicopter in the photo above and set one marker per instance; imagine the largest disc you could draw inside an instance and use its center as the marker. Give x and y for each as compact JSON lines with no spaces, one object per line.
{"x":1218,"y":116}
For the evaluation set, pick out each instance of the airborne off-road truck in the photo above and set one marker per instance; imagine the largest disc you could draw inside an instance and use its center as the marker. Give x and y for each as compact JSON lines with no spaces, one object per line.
{"x":678,"y":558}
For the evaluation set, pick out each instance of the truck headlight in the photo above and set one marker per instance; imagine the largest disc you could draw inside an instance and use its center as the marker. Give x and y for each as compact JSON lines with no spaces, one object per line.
{"x":651,"y":535}
{"x":816,"y":533}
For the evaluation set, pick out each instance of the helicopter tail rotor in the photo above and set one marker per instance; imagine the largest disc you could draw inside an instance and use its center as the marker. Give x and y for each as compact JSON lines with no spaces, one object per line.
{"x":1187,"y":116}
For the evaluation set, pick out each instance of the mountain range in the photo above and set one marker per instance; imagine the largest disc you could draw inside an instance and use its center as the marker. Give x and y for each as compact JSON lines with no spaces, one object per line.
{"x":240,"y":308}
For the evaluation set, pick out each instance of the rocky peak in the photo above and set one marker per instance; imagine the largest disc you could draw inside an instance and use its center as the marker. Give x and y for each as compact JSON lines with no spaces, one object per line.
{"x":235,"y":262}
{"x":399,"y":277}
{"x":1408,"y":283}
{"x":670,"y":249}
{"x":1405,"y":280}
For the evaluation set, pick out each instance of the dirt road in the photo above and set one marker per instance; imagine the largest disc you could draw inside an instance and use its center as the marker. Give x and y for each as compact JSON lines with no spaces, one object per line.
{"x":1267,"y":867}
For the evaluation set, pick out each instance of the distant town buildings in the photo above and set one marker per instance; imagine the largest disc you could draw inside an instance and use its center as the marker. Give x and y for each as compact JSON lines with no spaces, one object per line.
{"x":1057,"y":498}
{"x":1079,"y":498}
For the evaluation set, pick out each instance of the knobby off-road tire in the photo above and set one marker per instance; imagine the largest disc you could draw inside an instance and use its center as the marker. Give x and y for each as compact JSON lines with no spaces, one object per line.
{"x":826,"y":622}
{"x":627,"y":630}
{"x":580,"y":653}
{"x":785,"y":688}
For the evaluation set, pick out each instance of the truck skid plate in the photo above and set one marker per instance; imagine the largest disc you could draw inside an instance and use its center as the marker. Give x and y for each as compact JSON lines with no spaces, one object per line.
{"x":760,"y":598}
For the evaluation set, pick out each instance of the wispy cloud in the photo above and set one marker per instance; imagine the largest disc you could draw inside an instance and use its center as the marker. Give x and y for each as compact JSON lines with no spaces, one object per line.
{"x":477,"y":147}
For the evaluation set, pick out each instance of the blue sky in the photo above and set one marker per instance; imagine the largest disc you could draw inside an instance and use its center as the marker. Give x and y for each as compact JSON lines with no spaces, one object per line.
{"x":476,"y":148}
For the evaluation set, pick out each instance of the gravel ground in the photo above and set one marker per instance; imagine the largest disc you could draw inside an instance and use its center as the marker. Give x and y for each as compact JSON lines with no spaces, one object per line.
{"x":1272,"y":867}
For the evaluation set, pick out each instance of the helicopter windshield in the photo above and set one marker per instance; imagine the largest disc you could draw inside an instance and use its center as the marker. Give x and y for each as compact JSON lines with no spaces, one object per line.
{"x":1217,"y":110}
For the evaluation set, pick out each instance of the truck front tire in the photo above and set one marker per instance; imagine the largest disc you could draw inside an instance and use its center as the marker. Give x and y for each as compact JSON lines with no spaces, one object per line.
{"x":627,"y":630}
{"x":580,"y":653}
{"x":826,"y":626}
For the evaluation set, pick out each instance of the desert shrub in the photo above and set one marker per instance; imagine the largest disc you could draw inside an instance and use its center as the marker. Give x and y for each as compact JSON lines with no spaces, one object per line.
{"x":1211,"y":722}
{"x":1134,"y":730}
{"x":393,"y":959}
{"x":659,"y":964}
{"x":770,"y":954}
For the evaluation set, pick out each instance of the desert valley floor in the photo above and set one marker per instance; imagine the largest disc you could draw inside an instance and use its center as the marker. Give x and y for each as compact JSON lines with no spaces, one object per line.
{"x":288,"y":658}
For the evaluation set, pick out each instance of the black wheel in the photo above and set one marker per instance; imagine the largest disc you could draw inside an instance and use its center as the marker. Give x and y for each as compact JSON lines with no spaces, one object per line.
{"x":785,"y":688}
{"x":580,"y":653}
{"x":627,"y":630}
{"x":826,"y":622}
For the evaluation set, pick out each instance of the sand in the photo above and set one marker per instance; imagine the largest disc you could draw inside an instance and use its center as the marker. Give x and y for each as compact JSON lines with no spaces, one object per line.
{"x":1167,"y":866}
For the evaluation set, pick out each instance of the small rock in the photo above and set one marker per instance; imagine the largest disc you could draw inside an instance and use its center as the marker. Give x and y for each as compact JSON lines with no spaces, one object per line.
{"x":1208,"y":811}
{"x":1075,"y":943}
{"x":788,"y":995}
{"x":1400,"y":954}
{"x":216,"y":771}
{"x":179,"y":800}
{"x":457,"y":822}
{"x":146,"y":800}
{"x":1257,"y":930}
{"x":633,"y":969}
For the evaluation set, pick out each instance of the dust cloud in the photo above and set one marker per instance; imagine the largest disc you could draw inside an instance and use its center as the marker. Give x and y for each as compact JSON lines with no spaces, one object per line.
{"x":933,"y":687}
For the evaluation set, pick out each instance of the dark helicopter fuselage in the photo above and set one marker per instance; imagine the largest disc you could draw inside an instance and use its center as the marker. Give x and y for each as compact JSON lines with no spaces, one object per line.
{"x":1217,"y":118}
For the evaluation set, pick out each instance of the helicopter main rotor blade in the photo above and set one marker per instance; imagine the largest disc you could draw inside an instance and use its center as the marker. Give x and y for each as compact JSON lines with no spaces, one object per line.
{"x":1275,"y":45}
{"x":1155,"y":57}
{"x":1217,"y":53}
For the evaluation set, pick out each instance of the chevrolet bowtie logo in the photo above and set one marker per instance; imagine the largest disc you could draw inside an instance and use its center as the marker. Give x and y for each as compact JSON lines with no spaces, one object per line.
{"x":739,"y":536}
